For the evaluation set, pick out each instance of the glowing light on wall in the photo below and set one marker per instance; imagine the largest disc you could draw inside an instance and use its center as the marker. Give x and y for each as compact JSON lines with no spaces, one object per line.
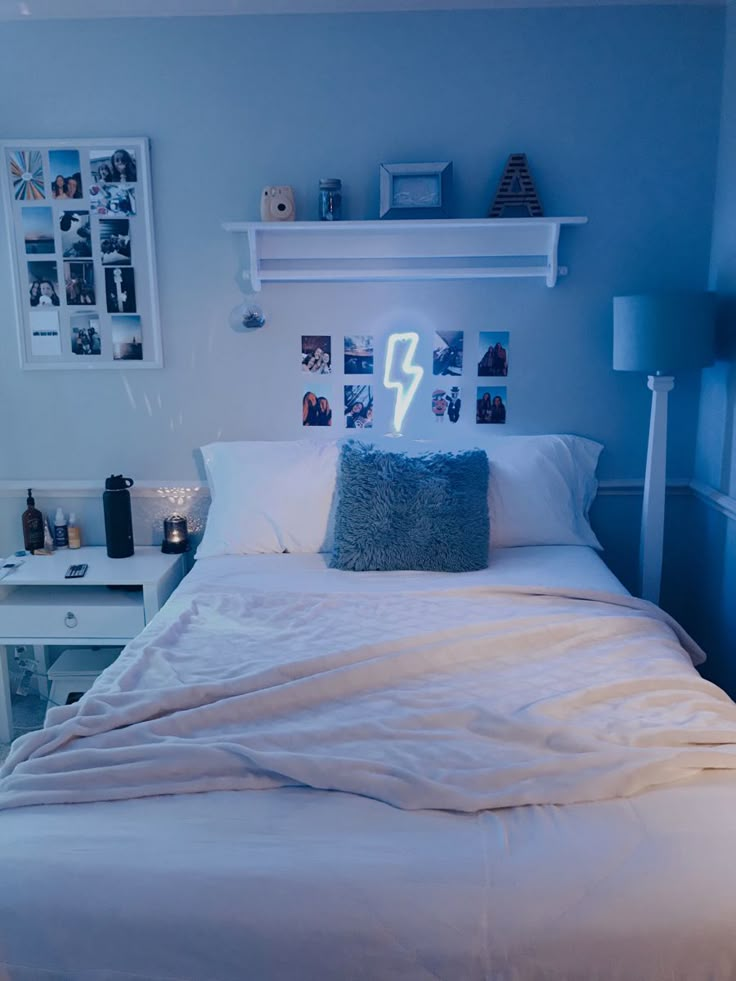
{"x":401,"y":373}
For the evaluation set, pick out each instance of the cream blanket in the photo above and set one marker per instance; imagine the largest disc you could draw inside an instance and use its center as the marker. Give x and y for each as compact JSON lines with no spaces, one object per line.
{"x":461,"y":699}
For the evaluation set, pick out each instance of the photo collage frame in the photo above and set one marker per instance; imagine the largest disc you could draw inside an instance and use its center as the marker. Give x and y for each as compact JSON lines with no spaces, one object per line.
{"x":349,"y":403}
{"x":79,"y":219}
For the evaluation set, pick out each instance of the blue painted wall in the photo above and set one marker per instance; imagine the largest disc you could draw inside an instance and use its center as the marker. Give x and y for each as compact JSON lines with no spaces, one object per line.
{"x":617,"y":108}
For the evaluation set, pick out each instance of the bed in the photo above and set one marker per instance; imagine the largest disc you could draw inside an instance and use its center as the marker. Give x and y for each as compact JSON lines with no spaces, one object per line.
{"x":301,"y":772}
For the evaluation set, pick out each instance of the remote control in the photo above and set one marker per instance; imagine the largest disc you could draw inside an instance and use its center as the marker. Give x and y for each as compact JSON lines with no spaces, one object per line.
{"x":76,"y":571}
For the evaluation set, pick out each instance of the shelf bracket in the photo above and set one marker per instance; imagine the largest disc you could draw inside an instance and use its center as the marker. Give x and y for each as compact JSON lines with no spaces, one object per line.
{"x":255,"y":275}
{"x":552,"y":267}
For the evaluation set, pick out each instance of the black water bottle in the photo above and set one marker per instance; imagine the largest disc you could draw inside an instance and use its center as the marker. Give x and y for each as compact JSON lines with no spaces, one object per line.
{"x":118,"y":517}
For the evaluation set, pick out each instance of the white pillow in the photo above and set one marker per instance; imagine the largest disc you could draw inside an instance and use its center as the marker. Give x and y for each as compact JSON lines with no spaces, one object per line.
{"x":279,"y":496}
{"x":269,"y":497}
{"x":540,"y":489}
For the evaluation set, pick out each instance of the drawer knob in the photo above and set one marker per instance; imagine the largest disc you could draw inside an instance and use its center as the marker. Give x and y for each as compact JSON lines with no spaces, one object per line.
{"x":70,"y":620}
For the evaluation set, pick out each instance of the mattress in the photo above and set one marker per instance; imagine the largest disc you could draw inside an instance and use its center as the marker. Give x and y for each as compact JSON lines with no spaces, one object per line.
{"x":292,"y":882}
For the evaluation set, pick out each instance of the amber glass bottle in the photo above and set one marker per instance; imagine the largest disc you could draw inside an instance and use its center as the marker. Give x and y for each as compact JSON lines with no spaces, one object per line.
{"x":32,"y":525}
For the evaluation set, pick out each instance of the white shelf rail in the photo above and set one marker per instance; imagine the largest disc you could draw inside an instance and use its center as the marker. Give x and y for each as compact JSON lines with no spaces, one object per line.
{"x":366,"y":251}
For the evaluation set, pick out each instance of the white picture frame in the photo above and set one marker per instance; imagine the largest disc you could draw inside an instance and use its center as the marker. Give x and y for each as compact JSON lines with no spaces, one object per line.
{"x":82,"y":249}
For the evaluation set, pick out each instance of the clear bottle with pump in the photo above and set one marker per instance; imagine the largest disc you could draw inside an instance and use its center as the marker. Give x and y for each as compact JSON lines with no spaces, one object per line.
{"x":32,"y":525}
{"x":61,"y":534}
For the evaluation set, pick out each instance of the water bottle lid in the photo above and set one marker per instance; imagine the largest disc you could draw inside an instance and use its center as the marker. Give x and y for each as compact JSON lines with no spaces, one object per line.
{"x":118,"y":482}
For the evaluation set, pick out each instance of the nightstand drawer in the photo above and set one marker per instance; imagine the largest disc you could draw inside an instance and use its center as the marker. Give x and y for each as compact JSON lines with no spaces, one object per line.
{"x":70,"y":611}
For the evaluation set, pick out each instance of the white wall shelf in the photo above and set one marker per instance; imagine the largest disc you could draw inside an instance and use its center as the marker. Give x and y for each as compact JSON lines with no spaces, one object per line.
{"x":365,"y":251}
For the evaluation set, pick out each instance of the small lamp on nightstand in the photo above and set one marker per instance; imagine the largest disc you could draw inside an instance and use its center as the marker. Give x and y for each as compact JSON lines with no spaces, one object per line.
{"x":176,"y":536}
{"x":658,"y":334}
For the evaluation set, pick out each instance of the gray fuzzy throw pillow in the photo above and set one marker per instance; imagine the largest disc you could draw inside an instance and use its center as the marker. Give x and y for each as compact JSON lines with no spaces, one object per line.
{"x":411,"y":512}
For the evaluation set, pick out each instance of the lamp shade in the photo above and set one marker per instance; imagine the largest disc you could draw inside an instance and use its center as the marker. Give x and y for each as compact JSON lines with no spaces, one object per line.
{"x":661,"y":333}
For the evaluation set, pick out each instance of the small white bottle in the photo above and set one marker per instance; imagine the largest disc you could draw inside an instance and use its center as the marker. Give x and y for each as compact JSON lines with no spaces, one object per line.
{"x":61,"y":534}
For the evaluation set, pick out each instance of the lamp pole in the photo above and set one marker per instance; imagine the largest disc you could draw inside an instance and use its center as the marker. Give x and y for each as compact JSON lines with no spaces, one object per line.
{"x":655,"y":482}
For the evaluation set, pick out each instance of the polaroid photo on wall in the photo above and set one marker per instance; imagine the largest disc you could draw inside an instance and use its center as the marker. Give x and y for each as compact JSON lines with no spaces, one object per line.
{"x":358,"y":354}
{"x":490,"y":406}
{"x":38,"y":230}
{"x":439,"y":404}
{"x":127,"y":339}
{"x":120,"y":290}
{"x":66,"y":174}
{"x":494,"y":353}
{"x":76,"y":237}
{"x":85,"y":334}
{"x":317,"y":354}
{"x":26,"y":175}
{"x":317,"y":406}
{"x":454,"y":403}
{"x":358,"y":406}
{"x":79,"y":281}
{"x":43,"y":284}
{"x":447,"y":352}
{"x":114,"y":241}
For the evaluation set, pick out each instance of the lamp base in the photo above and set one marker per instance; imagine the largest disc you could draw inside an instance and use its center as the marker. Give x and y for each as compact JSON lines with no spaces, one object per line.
{"x":174,"y":548}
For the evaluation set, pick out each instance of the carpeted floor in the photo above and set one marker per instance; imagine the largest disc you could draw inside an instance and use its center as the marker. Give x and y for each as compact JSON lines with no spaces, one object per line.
{"x":28,"y":714}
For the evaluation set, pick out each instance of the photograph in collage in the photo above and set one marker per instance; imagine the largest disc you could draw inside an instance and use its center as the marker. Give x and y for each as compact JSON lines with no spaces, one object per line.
{"x":490,"y":406}
{"x":317,"y":354}
{"x":116,"y":200}
{"x":114,"y":241}
{"x":120,"y":290}
{"x":358,"y":354}
{"x":358,"y":406}
{"x":79,"y":280}
{"x":494,"y":353}
{"x":26,"y":175}
{"x":316,"y":408}
{"x":76,"y":238}
{"x":38,"y":230}
{"x":85,"y":336}
{"x":66,"y":174}
{"x":447,"y":352}
{"x":127,"y":339}
{"x":43,"y":289}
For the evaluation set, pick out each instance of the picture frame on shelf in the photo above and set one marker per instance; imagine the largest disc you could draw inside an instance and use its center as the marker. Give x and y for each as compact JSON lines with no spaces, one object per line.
{"x":415,"y":190}
{"x":79,"y":220}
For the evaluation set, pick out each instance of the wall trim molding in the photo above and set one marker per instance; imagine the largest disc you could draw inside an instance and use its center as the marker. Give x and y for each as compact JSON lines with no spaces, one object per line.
{"x":624,"y":486}
{"x":714,"y":498}
{"x":166,"y":489}
{"x":180,"y":493}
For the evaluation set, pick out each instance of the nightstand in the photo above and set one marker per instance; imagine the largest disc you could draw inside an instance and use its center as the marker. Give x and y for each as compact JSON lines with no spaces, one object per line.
{"x":40,"y":608}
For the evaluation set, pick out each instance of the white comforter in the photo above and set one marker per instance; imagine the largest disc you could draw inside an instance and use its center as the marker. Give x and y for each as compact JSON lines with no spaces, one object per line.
{"x":462,"y":699}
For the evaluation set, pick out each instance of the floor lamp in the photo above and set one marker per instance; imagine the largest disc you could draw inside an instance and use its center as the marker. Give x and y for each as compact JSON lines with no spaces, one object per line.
{"x":658,"y":334}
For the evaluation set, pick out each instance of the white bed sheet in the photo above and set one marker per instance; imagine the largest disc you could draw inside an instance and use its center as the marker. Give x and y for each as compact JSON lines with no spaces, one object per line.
{"x":551,"y":566}
{"x":303,"y":884}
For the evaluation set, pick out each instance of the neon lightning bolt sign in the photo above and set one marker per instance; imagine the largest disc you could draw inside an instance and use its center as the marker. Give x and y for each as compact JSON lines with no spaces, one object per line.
{"x":401,"y":373}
